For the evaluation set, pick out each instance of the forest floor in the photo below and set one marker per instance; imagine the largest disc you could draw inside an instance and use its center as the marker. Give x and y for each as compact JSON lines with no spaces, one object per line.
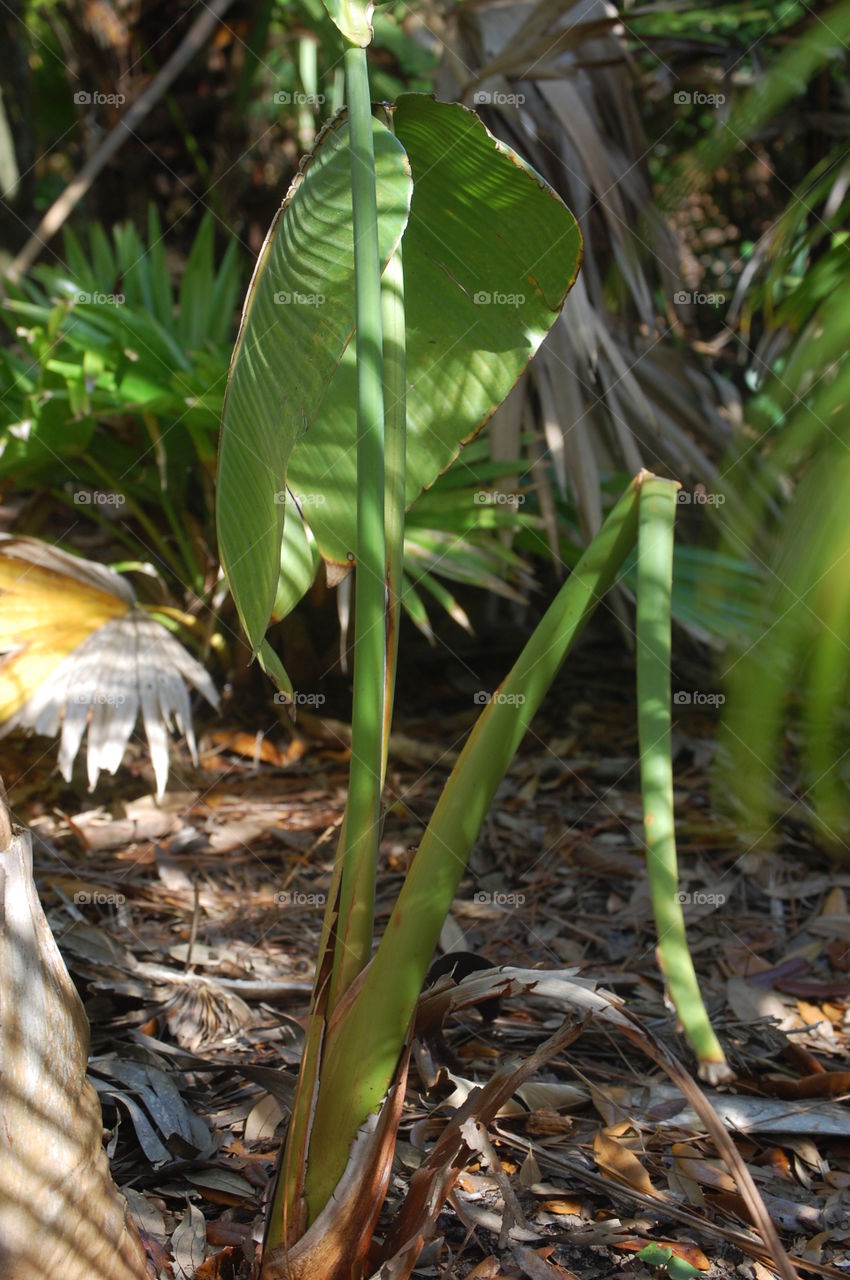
{"x":191,"y":928}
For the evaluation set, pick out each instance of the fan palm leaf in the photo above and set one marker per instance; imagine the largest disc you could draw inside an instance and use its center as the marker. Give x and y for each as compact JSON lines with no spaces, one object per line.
{"x":79,"y":656}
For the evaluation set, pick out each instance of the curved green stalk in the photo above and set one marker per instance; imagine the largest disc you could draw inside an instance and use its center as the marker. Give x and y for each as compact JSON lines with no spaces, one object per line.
{"x":362,"y":826}
{"x":654,"y":587}
{"x":826,"y":677}
{"x":362,"y":1048}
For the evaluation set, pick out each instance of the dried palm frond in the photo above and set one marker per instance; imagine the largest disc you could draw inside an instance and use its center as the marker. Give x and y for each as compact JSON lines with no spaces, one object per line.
{"x":78,"y":653}
{"x":204,"y":1014}
{"x":561,"y":89}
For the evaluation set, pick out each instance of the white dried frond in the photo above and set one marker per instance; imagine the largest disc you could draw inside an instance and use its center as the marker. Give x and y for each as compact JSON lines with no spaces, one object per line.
{"x":128,"y":661}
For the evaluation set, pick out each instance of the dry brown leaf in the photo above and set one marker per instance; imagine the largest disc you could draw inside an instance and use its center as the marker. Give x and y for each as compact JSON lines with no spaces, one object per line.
{"x":810,"y":1013}
{"x":529,"y":1174}
{"x":685,"y":1188}
{"x":252,"y":746}
{"x":189,"y":1243}
{"x":612,"y":1102}
{"x":487,"y":1269}
{"x":775,"y":1159}
{"x":751,"y":1003}
{"x":263,"y":1118}
{"x":823,"y":1084}
{"x":535,"y":1264}
{"x":708,"y":1173}
{"x":544,"y":1094}
{"x":438,"y":1173}
{"x":546,"y":1122}
{"x":561,"y":1208}
{"x":214,"y":1268}
{"x":836,"y":902}
{"x":615,"y":1158}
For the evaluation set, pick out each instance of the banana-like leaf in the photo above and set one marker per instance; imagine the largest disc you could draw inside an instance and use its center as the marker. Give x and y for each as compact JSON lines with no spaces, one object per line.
{"x":299,"y":561}
{"x":297,"y":321}
{"x":353,"y":19}
{"x":490,"y":252}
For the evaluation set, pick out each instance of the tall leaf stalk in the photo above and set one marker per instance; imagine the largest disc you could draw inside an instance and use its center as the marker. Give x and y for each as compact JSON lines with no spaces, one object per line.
{"x":654,"y":587}
{"x":304,"y":1184}
{"x":362,"y":824}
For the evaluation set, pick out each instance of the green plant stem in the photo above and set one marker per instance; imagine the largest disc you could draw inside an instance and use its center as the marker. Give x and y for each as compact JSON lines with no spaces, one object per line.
{"x":654,"y":589}
{"x":395,"y":387}
{"x":283,"y":1220}
{"x":338,"y":90}
{"x":308,"y":70}
{"x":362,"y":826}
{"x":362,"y":1048}
{"x":189,"y":558}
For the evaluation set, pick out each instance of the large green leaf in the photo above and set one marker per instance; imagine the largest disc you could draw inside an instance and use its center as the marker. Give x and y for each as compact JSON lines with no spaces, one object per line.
{"x":351,"y":17}
{"x":298,"y":319}
{"x":490,"y":252}
{"x":299,"y":561}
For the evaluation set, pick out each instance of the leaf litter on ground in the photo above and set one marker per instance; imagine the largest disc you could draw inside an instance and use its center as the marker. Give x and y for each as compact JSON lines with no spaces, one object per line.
{"x":193,"y":942}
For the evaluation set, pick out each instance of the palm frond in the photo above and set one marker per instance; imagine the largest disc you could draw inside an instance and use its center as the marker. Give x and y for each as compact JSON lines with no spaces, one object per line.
{"x":561,"y":78}
{"x":79,"y":656}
